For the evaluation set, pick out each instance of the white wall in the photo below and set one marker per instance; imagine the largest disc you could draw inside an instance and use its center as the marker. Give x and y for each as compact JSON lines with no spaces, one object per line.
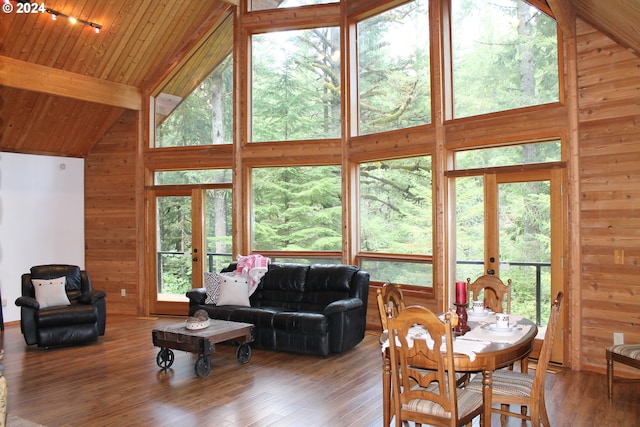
{"x":41,"y":218}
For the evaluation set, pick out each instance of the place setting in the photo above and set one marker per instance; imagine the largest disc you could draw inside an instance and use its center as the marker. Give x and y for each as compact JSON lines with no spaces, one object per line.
{"x":478,"y":312}
{"x":499,"y":327}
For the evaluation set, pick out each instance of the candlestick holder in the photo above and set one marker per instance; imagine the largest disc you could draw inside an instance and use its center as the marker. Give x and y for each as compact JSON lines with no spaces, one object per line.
{"x":461,"y":310}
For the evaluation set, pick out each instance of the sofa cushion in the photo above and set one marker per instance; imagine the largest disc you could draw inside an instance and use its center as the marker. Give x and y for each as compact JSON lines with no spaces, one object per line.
{"x":301,"y":322}
{"x":282,"y":287}
{"x":234,"y":290}
{"x":50,"y":292}
{"x":212,"y":287}
{"x":326,"y":284}
{"x":72,"y":315}
{"x":260,"y":317}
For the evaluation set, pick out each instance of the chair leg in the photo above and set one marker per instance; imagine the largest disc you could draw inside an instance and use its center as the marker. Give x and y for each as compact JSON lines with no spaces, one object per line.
{"x":609,"y":376}
{"x":503,"y":418}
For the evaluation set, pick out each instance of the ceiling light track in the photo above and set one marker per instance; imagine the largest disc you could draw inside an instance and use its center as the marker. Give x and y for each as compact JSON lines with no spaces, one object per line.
{"x":27,"y":7}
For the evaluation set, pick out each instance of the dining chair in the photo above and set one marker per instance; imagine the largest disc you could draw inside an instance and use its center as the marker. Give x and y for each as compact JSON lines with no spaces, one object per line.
{"x":495,"y":292}
{"x":627,"y":354}
{"x":389,"y":298}
{"x":517,"y":388}
{"x":427,"y":396}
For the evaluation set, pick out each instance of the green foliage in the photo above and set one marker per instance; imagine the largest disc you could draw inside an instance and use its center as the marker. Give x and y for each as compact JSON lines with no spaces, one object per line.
{"x":505,"y":56}
{"x":297,"y":208}
{"x":394,"y":89}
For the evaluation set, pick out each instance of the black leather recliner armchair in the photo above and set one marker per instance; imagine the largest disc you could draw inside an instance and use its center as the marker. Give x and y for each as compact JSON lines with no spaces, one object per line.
{"x":84,"y":320}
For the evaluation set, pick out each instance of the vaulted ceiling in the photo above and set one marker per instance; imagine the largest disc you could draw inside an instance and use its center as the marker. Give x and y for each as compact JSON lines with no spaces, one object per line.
{"x":63,"y":86}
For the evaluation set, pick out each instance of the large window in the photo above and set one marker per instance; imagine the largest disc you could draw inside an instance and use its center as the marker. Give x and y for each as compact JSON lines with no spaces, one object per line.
{"x":296,"y":85}
{"x":393,"y":69}
{"x":505,"y":56}
{"x":204,"y":117}
{"x":396,"y":220}
{"x":256,"y":5}
{"x":297,"y":209}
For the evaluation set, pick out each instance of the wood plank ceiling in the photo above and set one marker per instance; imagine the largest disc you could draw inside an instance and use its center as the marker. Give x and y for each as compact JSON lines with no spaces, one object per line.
{"x":67,"y":104}
{"x":62,"y":86}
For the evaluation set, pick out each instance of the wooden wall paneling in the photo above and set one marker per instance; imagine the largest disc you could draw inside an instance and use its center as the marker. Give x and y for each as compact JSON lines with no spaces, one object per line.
{"x":609,"y":193}
{"x":111,"y":217}
{"x":616,"y":18}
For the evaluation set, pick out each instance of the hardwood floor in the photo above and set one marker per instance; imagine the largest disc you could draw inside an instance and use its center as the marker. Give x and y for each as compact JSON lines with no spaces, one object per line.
{"x":116,"y":382}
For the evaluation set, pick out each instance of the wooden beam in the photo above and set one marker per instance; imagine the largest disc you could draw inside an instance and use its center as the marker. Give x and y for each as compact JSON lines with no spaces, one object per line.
{"x":564,"y":14}
{"x":39,"y":78}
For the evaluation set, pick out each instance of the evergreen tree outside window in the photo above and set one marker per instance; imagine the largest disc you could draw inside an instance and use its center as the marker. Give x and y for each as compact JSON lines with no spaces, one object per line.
{"x":205,"y":116}
{"x":296,"y":85}
{"x":396,"y":218}
{"x":505,"y":56}
{"x":297,"y":209}
{"x":394,"y":89}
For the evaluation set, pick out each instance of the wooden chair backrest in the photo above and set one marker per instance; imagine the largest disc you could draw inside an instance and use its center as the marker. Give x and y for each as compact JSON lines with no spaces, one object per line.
{"x":537,"y":389}
{"x":389,"y":298}
{"x":496,"y":293}
{"x":407,"y":362}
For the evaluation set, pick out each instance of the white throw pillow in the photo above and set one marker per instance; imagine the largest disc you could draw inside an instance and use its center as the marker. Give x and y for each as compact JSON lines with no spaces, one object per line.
{"x":212,"y":286}
{"x":234,"y":290}
{"x":50,"y":292}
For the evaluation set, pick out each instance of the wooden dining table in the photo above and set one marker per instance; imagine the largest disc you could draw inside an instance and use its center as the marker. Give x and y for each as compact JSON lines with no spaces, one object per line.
{"x":494,"y":356}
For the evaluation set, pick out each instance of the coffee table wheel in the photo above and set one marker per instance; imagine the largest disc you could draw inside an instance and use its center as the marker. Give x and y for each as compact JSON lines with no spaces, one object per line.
{"x":243,"y":354}
{"x":203,"y":366}
{"x":165,"y":358}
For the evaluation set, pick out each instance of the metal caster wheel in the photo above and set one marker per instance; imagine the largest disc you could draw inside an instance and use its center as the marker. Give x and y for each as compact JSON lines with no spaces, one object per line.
{"x":203,"y":366}
{"x":165,"y":358}
{"x":243,"y":354}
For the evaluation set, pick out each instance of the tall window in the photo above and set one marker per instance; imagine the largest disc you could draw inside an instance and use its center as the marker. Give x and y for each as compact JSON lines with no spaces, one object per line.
{"x":296,"y":85}
{"x":264,"y":5}
{"x":393,"y":69}
{"x":204,"y":117}
{"x":297,"y":209}
{"x":396,"y":220}
{"x":505,"y":56}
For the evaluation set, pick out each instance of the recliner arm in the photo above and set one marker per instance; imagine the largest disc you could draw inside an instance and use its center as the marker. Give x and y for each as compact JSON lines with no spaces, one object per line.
{"x":91,"y":297}
{"x":28,"y":302}
{"x":342,"y":305}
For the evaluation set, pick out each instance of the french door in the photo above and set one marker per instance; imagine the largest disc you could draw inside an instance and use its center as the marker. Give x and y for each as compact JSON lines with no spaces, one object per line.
{"x":511,"y":224}
{"x":190,"y":233}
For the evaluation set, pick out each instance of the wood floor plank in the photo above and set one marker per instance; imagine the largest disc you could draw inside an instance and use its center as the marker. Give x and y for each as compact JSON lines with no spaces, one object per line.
{"x":116,"y":382}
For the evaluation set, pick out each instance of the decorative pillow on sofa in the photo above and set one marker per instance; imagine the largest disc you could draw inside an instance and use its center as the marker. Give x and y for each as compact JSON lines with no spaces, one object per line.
{"x":234,"y":290}
{"x":212,"y":286}
{"x":50,"y":292}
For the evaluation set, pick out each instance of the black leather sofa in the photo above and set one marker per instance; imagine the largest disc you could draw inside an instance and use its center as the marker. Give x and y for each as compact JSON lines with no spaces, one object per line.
{"x":310,"y":309}
{"x":83,"y":320}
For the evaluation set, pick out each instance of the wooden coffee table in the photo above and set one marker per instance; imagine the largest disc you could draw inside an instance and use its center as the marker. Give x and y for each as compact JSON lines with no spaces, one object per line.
{"x":202,"y":342}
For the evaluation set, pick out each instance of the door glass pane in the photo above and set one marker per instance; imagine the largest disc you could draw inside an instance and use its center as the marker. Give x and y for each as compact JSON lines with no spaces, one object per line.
{"x":218,"y":229}
{"x":173,"y":247}
{"x":524,"y":214}
{"x":469,"y":227}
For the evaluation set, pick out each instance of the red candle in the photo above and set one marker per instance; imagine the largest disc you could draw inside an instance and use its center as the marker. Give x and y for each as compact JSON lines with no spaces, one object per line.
{"x":461,"y":292}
